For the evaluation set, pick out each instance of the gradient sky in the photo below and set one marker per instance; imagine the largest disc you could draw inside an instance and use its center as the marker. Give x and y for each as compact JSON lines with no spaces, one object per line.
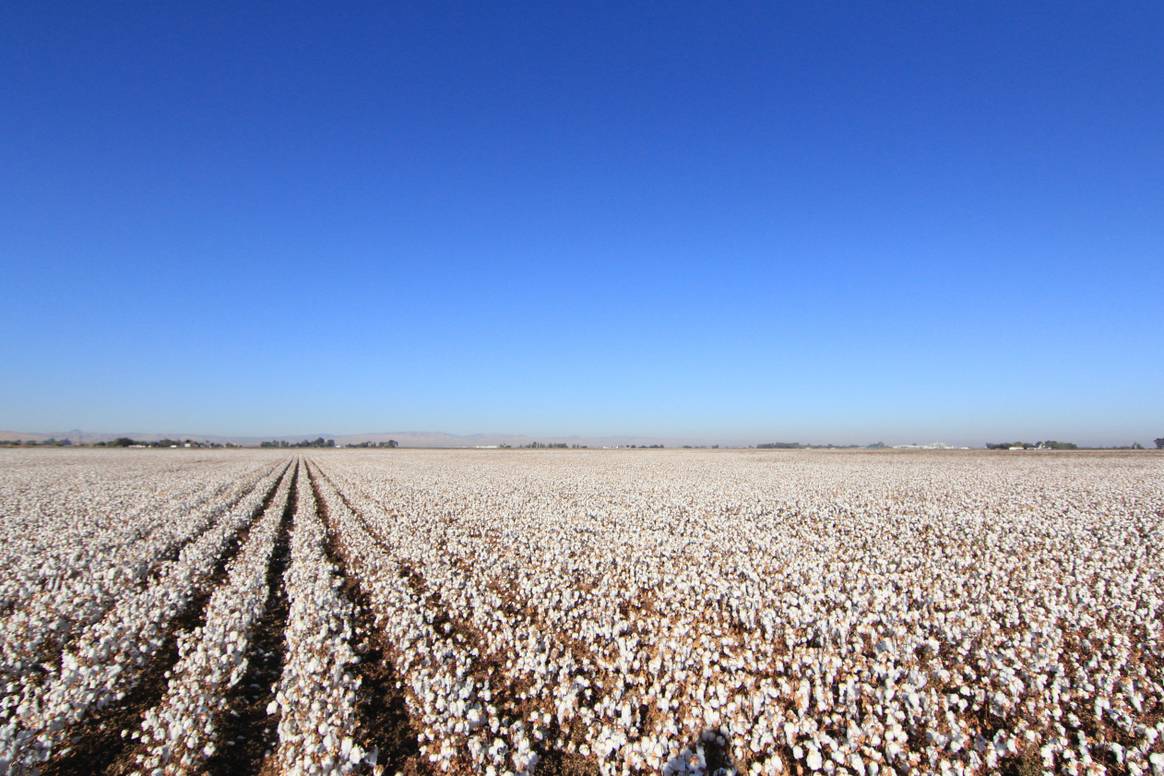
{"x":816,"y":221}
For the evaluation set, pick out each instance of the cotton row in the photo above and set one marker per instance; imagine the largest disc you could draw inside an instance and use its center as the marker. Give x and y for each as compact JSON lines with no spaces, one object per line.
{"x":837,"y":613}
{"x":449,"y":693}
{"x":316,"y":698}
{"x":108,"y":658}
{"x":180,"y":734}
{"x":34,"y":632}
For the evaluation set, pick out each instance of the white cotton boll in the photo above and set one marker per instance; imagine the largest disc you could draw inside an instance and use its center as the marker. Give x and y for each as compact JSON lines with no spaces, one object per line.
{"x":813,"y":759}
{"x":692,"y":597}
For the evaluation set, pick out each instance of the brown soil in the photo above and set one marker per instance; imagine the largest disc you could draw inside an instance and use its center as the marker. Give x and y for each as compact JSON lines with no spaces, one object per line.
{"x":383,"y":716}
{"x":100,"y":744}
{"x":248,"y":733}
{"x":491,"y":666}
{"x":557,"y":763}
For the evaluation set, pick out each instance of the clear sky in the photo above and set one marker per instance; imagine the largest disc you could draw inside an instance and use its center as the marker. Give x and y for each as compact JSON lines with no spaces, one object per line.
{"x":813,"y":221}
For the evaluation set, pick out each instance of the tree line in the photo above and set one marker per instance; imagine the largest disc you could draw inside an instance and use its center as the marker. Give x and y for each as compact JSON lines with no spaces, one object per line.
{"x":283,"y":443}
{"x":1051,"y":444}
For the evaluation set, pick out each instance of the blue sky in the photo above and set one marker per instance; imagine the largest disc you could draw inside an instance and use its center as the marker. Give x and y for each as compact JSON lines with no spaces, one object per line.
{"x":822,"y":221}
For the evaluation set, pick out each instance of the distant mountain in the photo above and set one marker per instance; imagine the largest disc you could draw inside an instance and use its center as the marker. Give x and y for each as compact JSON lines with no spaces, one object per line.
{"x":443,"y":439}
{"x":405,"y":438}
{"x":413,"y":439}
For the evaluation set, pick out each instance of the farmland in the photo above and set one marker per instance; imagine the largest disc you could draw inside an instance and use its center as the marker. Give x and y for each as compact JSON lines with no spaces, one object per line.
{"x":572,"y":612}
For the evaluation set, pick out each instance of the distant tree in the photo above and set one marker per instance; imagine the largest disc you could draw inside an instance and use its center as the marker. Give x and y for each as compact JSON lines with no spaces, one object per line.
{"x":122,"y":442}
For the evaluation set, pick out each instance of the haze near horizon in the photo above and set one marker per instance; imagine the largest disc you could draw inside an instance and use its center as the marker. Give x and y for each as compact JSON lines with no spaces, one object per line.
{"x":824,"y":223}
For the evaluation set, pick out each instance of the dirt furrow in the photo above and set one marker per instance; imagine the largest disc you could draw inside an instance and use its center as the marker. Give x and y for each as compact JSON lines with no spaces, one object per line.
{"x":458,"y":628}
{"x":48,"y":653}
{"x":490,"y":665}
{"x":175,"y":550}
{"x":383,"y":716}
{"x":104,"y":736}
{"x":249,"y":732}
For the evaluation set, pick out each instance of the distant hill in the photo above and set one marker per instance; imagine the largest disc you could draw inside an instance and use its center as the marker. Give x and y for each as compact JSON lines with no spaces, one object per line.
{"x":444,"y":439}
{"x":405,"y":438}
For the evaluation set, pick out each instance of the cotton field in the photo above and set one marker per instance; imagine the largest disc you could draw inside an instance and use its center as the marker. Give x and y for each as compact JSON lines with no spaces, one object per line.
{"x":581,"y":612}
